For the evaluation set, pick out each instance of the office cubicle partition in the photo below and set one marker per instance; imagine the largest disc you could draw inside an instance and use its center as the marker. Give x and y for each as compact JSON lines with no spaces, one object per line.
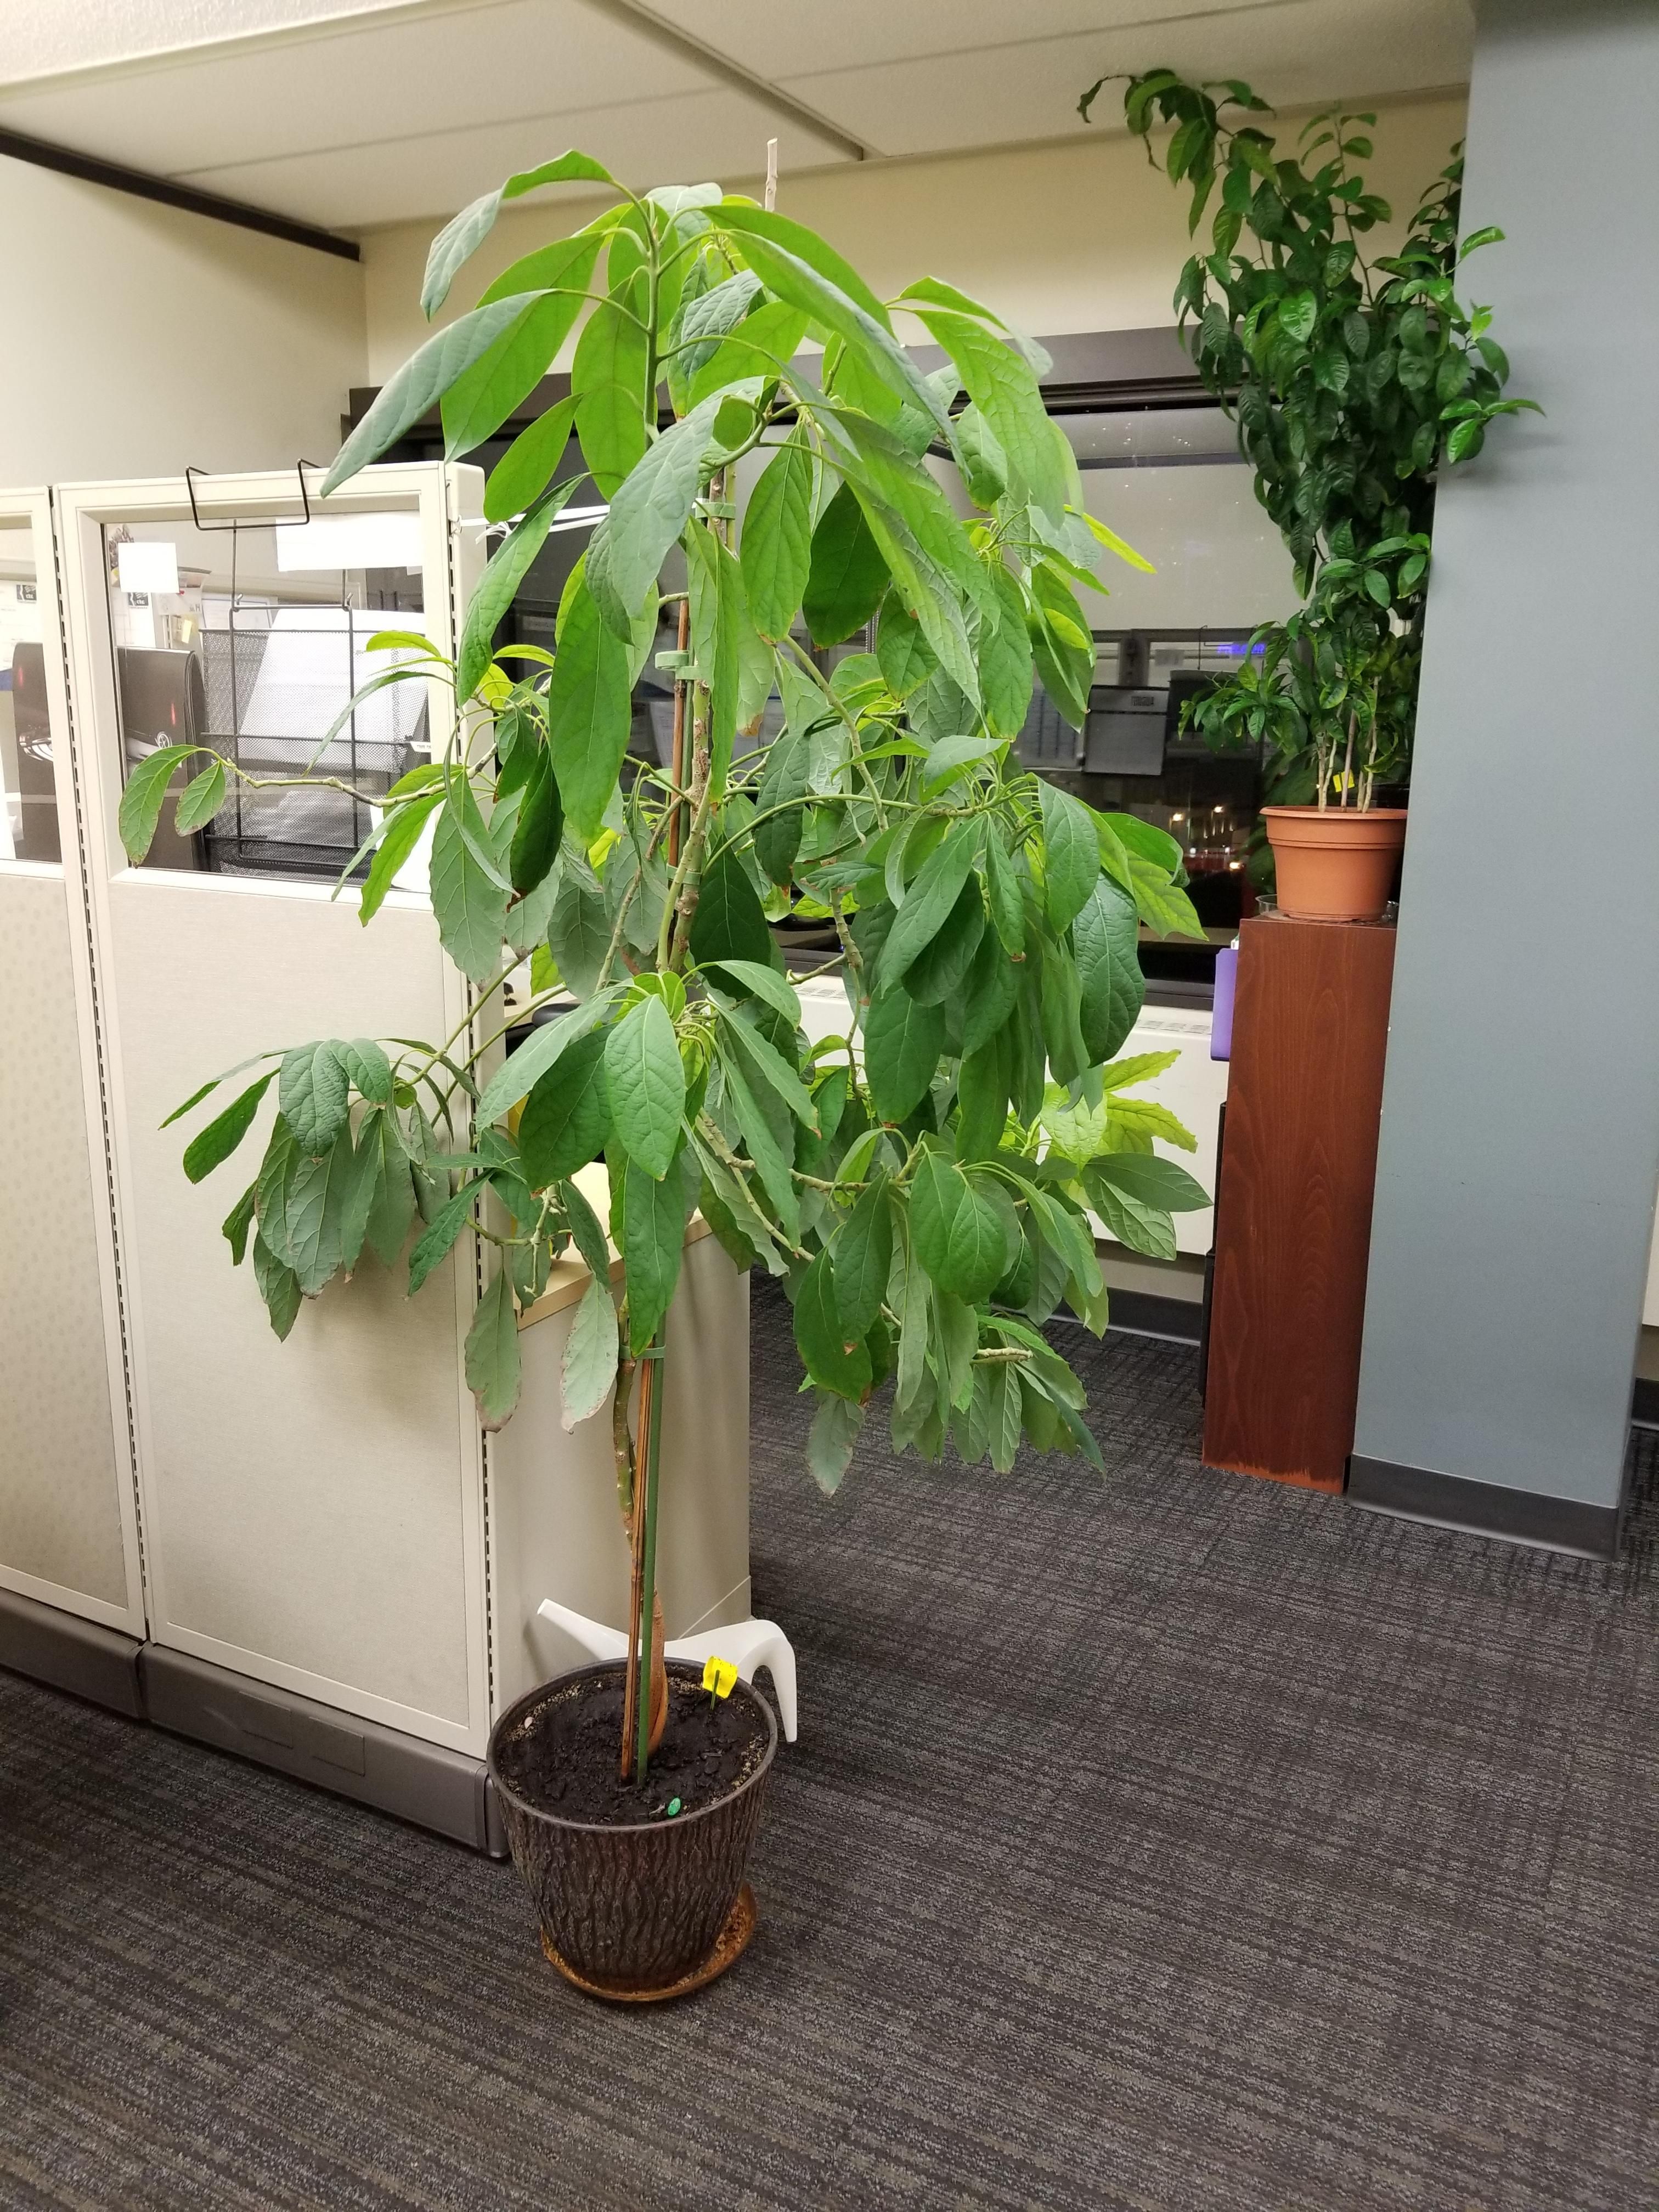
{"x":68,"y":1521}
{"x":314,"y":1510}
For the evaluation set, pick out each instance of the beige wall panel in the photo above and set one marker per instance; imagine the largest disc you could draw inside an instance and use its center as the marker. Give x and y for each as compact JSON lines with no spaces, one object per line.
{"x":1081,"y":235}
{"x":555,"y":1530}
{"x":60,"y":1507}
{"x":308,"y":1502}
{"x":144,"y":338}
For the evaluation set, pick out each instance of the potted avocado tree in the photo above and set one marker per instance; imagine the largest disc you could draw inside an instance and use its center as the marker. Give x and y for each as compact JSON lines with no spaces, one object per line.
{"x":921,"y":1184}
{"x":1354,"y":383}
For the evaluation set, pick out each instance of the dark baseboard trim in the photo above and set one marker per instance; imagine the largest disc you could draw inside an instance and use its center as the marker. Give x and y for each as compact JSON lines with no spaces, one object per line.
{"x":99,"y":1664}
{"x":1484,"y":1509}
{"x":1146,"y":1313}
{"x":422,"y":1782}
{"x":1644,"y":1403}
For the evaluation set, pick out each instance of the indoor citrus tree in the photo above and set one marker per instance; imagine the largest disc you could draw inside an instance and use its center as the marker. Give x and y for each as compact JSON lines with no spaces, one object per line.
{"x":920,"y":1183}
{"x":1353,"y":382}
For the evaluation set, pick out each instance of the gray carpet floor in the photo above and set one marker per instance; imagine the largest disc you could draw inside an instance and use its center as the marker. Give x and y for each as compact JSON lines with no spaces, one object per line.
{"x":1171,"y":1842}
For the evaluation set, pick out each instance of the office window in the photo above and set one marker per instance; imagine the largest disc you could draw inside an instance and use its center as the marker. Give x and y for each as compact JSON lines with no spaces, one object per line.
{"x":28,"y":799}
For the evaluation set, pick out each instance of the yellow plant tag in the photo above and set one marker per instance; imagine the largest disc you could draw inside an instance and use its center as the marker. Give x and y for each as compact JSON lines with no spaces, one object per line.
{"x":719,"y":1676}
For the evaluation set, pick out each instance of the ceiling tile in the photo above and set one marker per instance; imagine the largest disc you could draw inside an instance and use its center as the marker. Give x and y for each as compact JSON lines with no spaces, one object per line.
{"x":1304,"y":51}
{"x":672,"y":141}
{"x":343,"y":88}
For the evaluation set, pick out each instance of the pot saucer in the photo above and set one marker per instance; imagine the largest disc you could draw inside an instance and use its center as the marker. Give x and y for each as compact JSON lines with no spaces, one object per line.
{"x":729,"y":1947}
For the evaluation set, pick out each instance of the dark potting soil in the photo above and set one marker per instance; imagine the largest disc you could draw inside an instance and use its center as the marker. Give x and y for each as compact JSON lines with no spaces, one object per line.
{"x":564,"y":1756}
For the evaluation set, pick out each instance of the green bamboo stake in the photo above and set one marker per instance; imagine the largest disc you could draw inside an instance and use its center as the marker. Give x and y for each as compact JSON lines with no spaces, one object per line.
{"x":648,"y":1579}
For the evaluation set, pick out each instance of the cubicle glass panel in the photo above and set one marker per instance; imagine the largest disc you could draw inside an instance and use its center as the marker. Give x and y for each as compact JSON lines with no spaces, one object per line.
{"x":28,"y":796}
{"x":254,"y":639}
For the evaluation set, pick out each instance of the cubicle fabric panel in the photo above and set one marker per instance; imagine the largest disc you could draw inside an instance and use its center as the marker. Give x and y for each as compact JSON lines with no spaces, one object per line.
{"x":68,"y":1517}
{"x":314,"y":1509}
{"x":61,"y":1535}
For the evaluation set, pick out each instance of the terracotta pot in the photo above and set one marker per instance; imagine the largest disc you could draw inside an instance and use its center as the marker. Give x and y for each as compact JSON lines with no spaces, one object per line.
{"x":1334,"y":864}
{"x":634,"y":1910}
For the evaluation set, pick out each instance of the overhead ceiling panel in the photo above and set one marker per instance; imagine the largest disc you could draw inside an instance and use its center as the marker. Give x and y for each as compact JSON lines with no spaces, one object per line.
{"x":680,"y":140}
{"x":342,"y":88}
{"x":793,"y":40}
{"x":1306,"y":51}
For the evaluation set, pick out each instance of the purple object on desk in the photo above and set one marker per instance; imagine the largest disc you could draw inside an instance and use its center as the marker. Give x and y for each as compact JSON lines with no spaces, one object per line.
{"x":1221,"y":1017}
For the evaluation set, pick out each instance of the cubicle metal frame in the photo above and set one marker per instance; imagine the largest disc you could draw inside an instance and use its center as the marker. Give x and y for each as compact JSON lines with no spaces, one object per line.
{"x":34,"y":509}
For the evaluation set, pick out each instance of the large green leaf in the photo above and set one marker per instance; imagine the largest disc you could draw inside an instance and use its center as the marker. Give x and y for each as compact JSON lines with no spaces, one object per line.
{"x":988,"y":993}
{"x":833,"y":1351}
{"x":608,"y":379}
{"x":589,"y":708}
{"x":223,"y":1135}
{"x":1143,"y":1227}
{"x":654,"y":1211}
{"x":937,"y":971}
{"x":579,"y":928}
{"x":401,"y":836}
{"x":1163,"y":906}
{"x":906,"y":657}
{"x":777,"y":538}
{"x":902,"y":1041}
{"x":781,"y":814}
{"x":141,"y":802}
{"x":498,"y":587}
{"x":468,"y":893}
{"x":647,"y":1086}
{"x":461,"y":237}
{"x":313,"y":1095}
{"x":1104,"y":938}
{"x":766,"y":1060}
{"x":1003,"y":387}
{"x":864,"y":1258}
{"x":526,"y":469}
{"x":1061,"y":1005}
{"x":400,"y":403}
{"x":651,"y":509}
{"x":1151,"y":1181}
{"x":540,"y":826}
{"x":847,"y":574}
{"x":434,"y":1241}
{"x":742,"y":216}
{"x":830,"y":1440}
{"x":983,"y":1100}
{"x":567,"y":1116}
{"x":730,"y":923}
{"x":764,"y":983}
{"x":279,"y":1286}
{"x":1005,"y":657}
{"x":776,"y":1165}
{"x":957,"y":1233}
{"x":236,"y":1225}
{"x":200,"y":800}
{"x":315,"y":1196}
{"x":1071,"y":852}
{"x":788,"y":276}
{"x":494,"y":1368}
{"x":522,"y":1070}
{"x":391,"y":1207}
{"x":929,"y":900}
{"x":588,"y":1371}
{"x":480,"y":400}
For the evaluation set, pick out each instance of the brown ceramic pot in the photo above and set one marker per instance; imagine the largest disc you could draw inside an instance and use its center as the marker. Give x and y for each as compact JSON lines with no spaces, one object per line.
{"x":636,"y":1909}
{"x":1335,"y":863}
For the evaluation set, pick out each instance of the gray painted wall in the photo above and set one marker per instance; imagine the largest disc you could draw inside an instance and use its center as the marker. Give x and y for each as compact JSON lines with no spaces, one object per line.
{"x":1520,"y":1147}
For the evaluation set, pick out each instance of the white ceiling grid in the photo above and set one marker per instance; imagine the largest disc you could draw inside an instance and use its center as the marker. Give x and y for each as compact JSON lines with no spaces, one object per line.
{"x":351,"y":115}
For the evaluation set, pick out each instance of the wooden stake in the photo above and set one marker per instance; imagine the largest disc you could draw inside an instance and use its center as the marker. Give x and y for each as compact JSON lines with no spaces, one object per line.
{"x":771,"y":174}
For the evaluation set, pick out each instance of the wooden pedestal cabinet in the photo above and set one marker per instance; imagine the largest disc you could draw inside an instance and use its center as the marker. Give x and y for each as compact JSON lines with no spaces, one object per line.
{"x":1293,"y":1211}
